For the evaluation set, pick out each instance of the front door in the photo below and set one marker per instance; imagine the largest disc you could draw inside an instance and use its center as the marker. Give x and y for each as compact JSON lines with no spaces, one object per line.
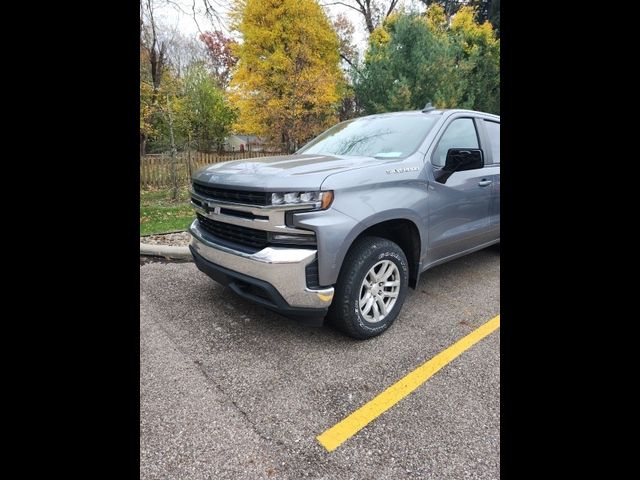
{"x":459,"y":209}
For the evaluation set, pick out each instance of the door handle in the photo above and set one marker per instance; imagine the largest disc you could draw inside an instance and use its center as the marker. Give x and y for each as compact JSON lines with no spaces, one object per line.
{"x":485,"y":183}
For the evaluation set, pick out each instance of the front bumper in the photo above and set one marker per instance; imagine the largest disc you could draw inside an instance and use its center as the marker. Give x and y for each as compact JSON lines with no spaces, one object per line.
{"x":273,"y":277}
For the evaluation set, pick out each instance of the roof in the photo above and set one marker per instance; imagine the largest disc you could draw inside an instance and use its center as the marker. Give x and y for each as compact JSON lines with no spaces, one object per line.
{"x":441,"y":111}
{"x":247,"y":138}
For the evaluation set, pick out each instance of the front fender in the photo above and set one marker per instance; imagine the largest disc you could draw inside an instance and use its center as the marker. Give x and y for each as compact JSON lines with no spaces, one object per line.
{"x":336,"y":230}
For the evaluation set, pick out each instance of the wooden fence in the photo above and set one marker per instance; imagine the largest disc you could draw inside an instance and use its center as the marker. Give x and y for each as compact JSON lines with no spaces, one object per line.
{"x":155,"y":170}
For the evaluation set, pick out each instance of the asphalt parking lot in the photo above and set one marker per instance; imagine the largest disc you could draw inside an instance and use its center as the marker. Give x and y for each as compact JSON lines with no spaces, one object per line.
{"x":231,"y":390}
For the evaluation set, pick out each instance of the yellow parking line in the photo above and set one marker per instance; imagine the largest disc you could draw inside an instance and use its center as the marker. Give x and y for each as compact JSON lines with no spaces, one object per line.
{"x":345,"y":429}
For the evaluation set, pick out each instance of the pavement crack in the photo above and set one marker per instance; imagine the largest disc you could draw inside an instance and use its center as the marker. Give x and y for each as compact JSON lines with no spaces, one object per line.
{"x":212,"y":381}
{"x":231,"y":401}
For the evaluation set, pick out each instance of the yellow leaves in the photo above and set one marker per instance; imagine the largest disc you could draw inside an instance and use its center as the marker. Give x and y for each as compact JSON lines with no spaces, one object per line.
{"x":436,"y":18}
{"x":463,"y":19}
{"x":473,"y":33}
{"x":379,"y":36}
{"x":287,"y":81}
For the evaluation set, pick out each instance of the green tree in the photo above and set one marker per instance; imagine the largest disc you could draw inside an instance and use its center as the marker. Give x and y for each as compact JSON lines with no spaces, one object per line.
{"x":203,"y":112}
{"x":413,"y":59}
{"x":407,"y":65}
{"x":287,"y":84}
{"x":155,"y":103}
{"x":479,"y":53}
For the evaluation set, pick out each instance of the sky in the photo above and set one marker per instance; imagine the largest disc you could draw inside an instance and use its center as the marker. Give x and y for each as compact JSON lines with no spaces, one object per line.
{"x":178,"y":14}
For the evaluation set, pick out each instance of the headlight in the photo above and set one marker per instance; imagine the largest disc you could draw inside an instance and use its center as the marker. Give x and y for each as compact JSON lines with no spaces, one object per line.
{"x":291,"y":198}
{"x":277,"y":199}
{"x":320,"y":200}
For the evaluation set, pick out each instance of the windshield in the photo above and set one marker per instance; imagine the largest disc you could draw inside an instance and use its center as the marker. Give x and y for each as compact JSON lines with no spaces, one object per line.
{"x":389,"y":136}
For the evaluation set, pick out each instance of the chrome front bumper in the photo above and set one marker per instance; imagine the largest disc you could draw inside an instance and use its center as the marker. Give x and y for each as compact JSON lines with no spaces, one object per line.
{"x":283,"y":268}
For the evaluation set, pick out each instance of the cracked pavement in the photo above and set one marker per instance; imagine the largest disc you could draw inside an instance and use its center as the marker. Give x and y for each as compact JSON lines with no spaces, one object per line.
{"x":229,"y":390}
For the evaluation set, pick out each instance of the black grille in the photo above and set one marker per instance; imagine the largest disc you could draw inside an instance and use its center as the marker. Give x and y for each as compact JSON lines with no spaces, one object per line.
{"x":233,"y":233}
{"x":311,"y":271}
{"x":234,"y":196}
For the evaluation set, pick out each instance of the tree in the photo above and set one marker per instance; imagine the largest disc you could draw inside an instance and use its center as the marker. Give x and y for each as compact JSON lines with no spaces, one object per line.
{"x":344,"y":30}
{"x":146,"y":103}
{"x":349,"y":54}
{"x":479,"y":52}
{"x":373,"y":12}
{"x":183,"y":51}
{"x":407,"y":65}
{"x":154,"y":64}
{"x":155,"y":46}
{"x":221,"y":59}
{"x":287,"y":84}
{"x":413,"y":59}
{"x":204,"y":114}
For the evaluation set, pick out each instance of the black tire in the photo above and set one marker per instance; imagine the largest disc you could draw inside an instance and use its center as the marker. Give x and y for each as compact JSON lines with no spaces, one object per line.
{"x":344,"y":313}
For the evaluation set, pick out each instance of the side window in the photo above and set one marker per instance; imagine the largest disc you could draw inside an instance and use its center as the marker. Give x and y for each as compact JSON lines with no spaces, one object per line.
{"x":460,"y":133}
{"x":493,"y":130}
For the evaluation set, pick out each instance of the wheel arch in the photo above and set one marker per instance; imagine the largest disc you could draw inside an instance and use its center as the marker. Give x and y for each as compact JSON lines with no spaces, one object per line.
{"x":403,"y":231}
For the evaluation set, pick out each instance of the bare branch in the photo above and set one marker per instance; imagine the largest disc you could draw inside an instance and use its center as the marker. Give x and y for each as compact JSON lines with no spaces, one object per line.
{"x":212,"y":9}
{"x":343,"y":4}
{"x":193,"y":9}
{"x":176,"y":6}
{"x":392,"y":5}
{"x":346,"y":59}
{"x":364,"y":6}
{"x":372,"y":11}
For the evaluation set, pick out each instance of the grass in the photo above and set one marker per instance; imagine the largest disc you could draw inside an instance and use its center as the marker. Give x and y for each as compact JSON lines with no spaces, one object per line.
{"x":160,"y":214}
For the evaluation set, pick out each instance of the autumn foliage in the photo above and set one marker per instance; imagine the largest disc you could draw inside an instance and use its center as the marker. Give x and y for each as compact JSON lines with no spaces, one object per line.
{"x":286,"y":72}
{"x":288,"y":84}
{"x":221,"y":59}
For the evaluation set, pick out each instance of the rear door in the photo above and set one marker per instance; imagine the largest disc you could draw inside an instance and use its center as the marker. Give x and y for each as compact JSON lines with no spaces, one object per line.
{"x":459,"y":209}
{"x":492,"y":133}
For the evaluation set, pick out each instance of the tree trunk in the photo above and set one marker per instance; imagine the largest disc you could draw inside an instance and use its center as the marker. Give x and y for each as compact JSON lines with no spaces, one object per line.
{"x":369,"y":22}
{"x":174,"y":163}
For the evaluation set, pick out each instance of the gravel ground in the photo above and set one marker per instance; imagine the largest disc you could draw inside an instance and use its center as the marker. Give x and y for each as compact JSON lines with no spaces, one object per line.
{"x":229,"y":390}
{"x":180,"y":239}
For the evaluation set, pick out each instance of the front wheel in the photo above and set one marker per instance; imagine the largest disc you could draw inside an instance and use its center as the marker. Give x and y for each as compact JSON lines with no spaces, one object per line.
{"x":371,"y":288}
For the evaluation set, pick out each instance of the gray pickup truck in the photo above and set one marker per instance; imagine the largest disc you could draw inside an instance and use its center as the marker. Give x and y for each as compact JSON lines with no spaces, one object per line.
{"x":342,"y":228}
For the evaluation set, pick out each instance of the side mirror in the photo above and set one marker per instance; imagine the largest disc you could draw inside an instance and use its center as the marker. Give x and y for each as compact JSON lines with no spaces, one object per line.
{"x":458,"y":160}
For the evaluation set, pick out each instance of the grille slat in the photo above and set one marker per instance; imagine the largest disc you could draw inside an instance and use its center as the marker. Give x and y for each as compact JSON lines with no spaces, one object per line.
{"x":233,"y":233}
{"x":234,"y":196}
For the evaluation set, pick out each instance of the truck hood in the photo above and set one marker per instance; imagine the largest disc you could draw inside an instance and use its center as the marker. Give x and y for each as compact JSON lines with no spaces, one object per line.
{"x":283,"y":172}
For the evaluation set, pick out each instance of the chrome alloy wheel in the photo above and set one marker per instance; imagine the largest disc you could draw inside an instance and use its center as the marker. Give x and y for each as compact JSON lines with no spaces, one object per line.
{"x":379,"y":291}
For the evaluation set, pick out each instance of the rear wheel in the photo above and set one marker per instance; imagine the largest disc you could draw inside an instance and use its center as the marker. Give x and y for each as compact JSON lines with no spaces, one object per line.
{"x":371,"y":288}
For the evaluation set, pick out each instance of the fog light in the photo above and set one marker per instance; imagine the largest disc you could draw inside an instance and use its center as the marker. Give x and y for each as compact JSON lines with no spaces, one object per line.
{"x":292,"y":238}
